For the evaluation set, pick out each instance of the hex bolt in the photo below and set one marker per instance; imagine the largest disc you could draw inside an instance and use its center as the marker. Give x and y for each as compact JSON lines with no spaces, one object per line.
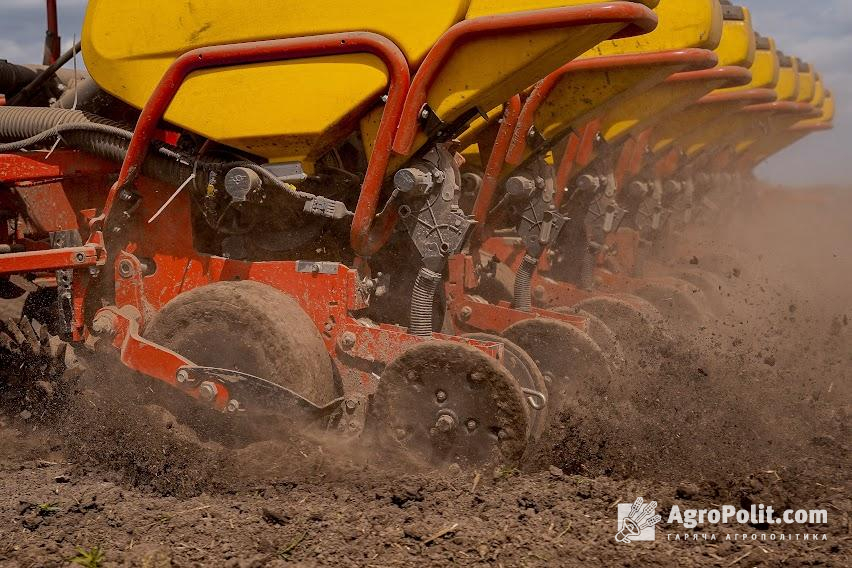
{"x":471,"y":425}
{"x":347,"y":340}
{"x":182,"y":376}
{"x":79,"y":257}
{"x":466,"y":312}
{"x":125,"y":268}
{"x":351,"y":404}
{"x":445,"y":423}
{"x":441,"y":396}
{"x":233,"y":405}
{"x":208,"y":391}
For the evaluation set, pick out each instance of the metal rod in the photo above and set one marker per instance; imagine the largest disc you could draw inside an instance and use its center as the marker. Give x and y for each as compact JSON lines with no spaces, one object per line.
{"x":44,"y":76}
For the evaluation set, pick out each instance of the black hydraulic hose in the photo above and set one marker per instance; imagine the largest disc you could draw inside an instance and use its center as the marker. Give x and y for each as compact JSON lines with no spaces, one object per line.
{"x":522,"y":299}
{"x":107,"y":140}
{"x":423,"y":302}
{"x":43,"y":77}
{"x":14,"y":77}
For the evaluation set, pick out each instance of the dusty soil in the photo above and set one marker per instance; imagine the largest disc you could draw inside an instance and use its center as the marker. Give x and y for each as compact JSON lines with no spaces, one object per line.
{"x":750,"y":408}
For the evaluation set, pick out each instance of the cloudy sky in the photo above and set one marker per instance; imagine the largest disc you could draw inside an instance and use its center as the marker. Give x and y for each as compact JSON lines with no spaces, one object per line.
{"x":818,"y":30}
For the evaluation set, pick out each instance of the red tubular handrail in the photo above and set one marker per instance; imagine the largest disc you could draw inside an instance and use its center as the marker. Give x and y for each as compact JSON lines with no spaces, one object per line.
{"x":781,"y":107}
{"x":565,"y":166}
{"x":749,"y":96}
{"x":732,"y":76}
{"x":282,"y":50}
{"x":52,"y":43}
{"x":577,"y":154}
{"x":495,"y":163}
{"x":693,"y":59}
{"x":636,"y":16}
{"x":818,"y":127}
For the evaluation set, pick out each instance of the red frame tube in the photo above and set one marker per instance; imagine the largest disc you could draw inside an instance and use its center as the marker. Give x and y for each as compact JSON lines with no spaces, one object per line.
{"x":495,"y":162}
{"x":640,"y":18}
{"x":281,"y":50}
{"x":52,"y":43}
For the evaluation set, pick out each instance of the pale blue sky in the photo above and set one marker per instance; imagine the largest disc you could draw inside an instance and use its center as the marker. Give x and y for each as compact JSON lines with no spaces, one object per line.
{"x":818,"y":30}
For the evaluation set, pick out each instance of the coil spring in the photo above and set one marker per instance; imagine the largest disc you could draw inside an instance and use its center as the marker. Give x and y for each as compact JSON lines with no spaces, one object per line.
{"x":422,"y":302}
{"x":522,"y":299}
{"x":587,"y":269}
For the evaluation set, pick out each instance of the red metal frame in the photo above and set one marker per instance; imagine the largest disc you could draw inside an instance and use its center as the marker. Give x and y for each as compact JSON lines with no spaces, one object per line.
{"x":471,"y":315}
{"x":494,"y":168}
{"x":52,"y":259}
{"x":694,"y":59}
{"x":362,"y":235}
{"x":637,"y":19}
{"x":781,"y":107}
{"x":819,"y":127}
{"x":52,"y":42}
{"x":578,"y":154}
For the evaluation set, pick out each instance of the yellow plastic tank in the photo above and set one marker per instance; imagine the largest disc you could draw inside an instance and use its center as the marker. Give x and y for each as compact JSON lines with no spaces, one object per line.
{"x":589,"y":90}
{"x":737,"y":46}
{"x":736,"y":49}
{"x":298,"y":110}
{"x":683,"y":24}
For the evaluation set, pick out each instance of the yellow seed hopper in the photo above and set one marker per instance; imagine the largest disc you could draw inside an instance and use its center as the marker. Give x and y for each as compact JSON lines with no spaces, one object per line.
{"x":299,"y":109}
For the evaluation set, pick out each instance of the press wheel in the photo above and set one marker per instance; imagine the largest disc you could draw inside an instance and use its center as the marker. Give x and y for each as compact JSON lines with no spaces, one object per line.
{"x":450,"y":403}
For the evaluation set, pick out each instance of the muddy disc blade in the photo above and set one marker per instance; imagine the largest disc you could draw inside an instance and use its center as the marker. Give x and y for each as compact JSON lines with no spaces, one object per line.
{"x":600,"y":334}
{"x":634,"y":321}
{"x":450,"y":403}
{"x":569,"y":359}
{"x":677,"y":300}
{"x":522,"y":367}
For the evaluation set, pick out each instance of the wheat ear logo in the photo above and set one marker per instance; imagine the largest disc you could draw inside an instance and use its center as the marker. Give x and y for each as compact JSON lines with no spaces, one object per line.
{"x":637,"y":521}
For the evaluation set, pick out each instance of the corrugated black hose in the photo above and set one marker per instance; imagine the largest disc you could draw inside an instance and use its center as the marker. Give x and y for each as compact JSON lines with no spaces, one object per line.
{"x":422,"y":302}
{"x":522,"y":299}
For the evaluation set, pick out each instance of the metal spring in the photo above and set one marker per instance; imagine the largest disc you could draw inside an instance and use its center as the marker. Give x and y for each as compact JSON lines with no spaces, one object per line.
{"x":587,"y":269}
{"x":422,"y":302}
{"x":522,"y":299}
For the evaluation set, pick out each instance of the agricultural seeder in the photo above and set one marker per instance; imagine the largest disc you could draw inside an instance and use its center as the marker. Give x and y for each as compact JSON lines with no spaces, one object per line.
{"x":427,"y":222}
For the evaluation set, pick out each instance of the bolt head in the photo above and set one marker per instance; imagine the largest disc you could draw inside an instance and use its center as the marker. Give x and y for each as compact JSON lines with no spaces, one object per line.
{"x":471,"y":425}
{"x":466,"y":312}
{"x":351,"y":404}
{"x":208,"y":391}
{"x":347,"y":340}
{"x":445,"y":423}
{"x":125,"y":268}
{"x":233,"y":405}
{"x":441,"y":396}
{"x":182,"y":376}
